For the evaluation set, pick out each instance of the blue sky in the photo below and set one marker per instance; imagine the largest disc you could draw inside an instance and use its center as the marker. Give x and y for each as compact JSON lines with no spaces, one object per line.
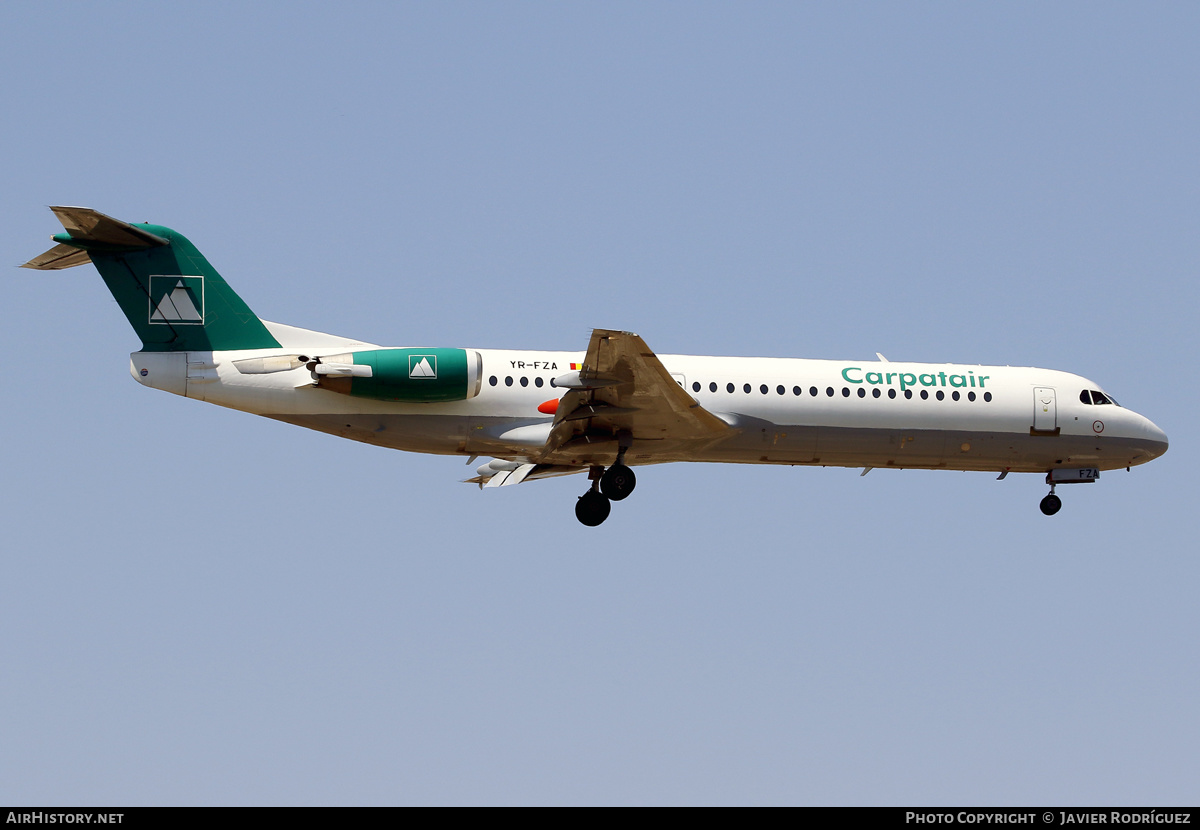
{"x":203,"y":607}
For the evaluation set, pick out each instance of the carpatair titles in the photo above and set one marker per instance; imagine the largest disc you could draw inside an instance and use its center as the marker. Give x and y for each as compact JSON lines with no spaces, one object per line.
{"x":910,"y":380}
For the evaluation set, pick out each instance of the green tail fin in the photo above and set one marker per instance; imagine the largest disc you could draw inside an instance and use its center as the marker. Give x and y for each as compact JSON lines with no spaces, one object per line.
{"x":172,"y":297}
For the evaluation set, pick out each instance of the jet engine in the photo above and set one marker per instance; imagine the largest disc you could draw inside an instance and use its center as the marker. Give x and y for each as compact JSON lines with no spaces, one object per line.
{"x":406,"y":375}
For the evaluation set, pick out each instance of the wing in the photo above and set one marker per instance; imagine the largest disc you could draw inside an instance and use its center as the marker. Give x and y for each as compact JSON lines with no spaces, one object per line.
{"x":501,"y":473}
{"x":625,"y":399}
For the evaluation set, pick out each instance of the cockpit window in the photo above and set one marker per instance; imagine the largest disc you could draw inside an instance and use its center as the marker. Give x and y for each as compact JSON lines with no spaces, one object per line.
{"x":1094,"y":396}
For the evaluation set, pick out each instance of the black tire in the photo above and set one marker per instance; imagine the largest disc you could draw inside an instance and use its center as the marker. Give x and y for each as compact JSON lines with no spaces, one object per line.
{"x":618,"y":482}
{"x":592,"y":508}
{"x":1051,"y":505}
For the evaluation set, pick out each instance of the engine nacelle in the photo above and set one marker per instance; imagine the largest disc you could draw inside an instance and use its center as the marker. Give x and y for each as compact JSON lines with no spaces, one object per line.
{"x":406,"y":375}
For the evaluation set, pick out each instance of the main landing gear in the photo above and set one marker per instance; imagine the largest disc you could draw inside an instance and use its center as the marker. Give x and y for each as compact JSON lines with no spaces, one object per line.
{"x":616,"y":483}
{"x":1051,"y":504}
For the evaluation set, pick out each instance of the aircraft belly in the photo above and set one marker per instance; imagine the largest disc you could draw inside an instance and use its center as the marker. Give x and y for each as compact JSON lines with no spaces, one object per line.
{"x":917,"y":449}
{"x":757,"y":442}
{"x":438,"y":434}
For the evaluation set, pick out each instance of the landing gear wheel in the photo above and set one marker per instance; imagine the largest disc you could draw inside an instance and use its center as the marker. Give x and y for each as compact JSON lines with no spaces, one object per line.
{"x":1051,"y":504}
{"x":618,"y":482}
{"x":592,"y":508}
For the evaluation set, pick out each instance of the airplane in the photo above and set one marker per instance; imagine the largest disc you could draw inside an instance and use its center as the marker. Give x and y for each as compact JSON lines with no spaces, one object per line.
{"x":615,"y":406}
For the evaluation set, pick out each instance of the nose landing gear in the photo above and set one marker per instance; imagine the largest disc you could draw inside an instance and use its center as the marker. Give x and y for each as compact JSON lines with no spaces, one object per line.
{"x":1051,"y":504}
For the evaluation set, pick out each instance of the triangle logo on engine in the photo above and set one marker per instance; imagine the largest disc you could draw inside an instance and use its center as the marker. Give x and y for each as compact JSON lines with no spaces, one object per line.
{"x":422,"y":366}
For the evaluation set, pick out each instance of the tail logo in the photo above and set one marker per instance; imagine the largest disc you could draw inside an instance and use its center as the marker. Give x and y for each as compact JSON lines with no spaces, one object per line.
{"x":422,"y":366}
{"x":176,"y":300}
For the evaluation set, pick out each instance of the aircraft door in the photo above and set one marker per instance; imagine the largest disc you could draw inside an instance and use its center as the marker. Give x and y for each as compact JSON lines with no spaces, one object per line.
{"x":1045,"y":411}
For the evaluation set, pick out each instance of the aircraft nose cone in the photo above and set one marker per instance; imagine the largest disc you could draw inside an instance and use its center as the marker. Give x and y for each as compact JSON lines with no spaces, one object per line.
{"x":1157,"y":438}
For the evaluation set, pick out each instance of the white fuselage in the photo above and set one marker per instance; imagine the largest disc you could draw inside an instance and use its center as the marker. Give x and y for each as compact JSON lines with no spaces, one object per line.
{"x":784,"y":411}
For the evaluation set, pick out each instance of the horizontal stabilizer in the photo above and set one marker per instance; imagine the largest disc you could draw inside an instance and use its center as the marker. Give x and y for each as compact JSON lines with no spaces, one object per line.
{"x":89,"y":225}
{"x":57,"y":258}
{"x":87,"y":228}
